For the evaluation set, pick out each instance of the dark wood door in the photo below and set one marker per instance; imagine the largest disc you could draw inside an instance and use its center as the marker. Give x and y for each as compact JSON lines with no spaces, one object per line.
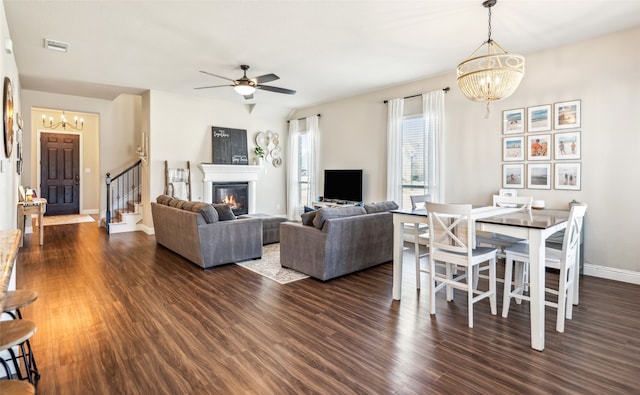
{"x":60,"y":172}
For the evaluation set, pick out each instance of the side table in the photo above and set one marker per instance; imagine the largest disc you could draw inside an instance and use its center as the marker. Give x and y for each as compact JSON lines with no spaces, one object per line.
{"x":26,"y":209}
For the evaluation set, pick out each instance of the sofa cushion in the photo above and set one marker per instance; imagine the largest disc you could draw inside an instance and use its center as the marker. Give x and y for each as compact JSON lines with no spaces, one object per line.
{"x":177,"y":203}
{"x":326,"y":213}
{"x":307,"y":218}
{"x":380,"y":207}
{"x":224,"y":212}
{"x":164,"y":199}
{"x":208,"y":213}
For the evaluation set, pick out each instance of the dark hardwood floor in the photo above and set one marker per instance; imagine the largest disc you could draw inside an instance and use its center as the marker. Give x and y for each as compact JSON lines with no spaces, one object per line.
{"x":120,"y":315}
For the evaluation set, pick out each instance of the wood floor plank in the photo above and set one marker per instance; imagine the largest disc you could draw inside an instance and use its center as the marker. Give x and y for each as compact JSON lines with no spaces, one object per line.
{"x":120,"y":315}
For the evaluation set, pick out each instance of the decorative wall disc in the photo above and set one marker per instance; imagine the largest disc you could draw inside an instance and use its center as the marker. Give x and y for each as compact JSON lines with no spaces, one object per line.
{"x":8,"y":117}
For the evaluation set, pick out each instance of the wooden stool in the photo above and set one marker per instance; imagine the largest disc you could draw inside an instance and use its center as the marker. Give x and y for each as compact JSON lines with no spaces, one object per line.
{"x":16,"y":333}
{"x":16,"y":387}
{"x":15,"y":300}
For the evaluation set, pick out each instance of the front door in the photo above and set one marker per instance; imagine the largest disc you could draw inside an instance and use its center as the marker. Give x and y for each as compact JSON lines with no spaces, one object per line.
{"x":60,"y":172}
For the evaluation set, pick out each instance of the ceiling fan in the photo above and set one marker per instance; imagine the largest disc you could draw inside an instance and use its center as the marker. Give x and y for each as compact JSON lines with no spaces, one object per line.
{"x":246,"y":86}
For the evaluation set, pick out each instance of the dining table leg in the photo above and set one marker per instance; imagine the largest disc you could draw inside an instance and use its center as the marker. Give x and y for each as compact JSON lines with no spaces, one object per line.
{"x":398,"y":243}
{"x":536,"y":287}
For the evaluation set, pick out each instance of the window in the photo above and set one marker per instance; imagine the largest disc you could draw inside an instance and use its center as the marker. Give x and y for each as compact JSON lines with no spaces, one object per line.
{"x":415,"y":175}
{"x":304,"y":166}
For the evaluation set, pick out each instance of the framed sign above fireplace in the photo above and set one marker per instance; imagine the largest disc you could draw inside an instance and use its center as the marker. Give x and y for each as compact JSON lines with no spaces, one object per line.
{"x":229,"y":146}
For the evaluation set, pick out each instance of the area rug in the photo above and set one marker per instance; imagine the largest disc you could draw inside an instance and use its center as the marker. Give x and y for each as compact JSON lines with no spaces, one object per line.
{"x":269,"y":266}
{"x":67,"y":219}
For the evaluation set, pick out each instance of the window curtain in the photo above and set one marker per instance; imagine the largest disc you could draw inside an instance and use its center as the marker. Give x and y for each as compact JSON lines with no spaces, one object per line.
{"x":293,"y":173}
{"x":433,"y":113}
{"x":293,"y":170}
{"x":394,"y":150}
{"x":313,"y":132}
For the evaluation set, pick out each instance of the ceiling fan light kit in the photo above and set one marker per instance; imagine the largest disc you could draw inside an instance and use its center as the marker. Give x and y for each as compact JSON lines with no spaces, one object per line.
{"x":246,"y":86}
{"x":493,"y":76}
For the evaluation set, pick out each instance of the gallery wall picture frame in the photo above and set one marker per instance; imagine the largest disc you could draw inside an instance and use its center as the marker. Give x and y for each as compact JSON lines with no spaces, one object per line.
{"x":567,"y":146}
{"x":568,"y":176}
{"x":513,"y":148}
{"x":513,"y":176}
{"x":567,"y":115}
{"x":539,"y":118}
{"x":539,"y":147}
{"x":539,"y":175}
{"x":513,"y":121}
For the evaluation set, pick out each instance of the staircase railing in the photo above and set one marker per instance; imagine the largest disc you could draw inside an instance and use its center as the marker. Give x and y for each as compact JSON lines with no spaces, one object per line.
{"x":123,"y":190}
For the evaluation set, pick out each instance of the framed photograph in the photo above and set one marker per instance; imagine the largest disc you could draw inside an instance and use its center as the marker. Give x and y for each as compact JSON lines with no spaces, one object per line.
{"x":568,"y":176}
{"x":513,"y":121}
{"x":567,"y":115}
{"x":539,"y":176}
{"x":539,"y":147}
{"x":513,"y":176}
{"x":513,"y":148}
{"x":567,"y":145}
{"x":539,"y":118}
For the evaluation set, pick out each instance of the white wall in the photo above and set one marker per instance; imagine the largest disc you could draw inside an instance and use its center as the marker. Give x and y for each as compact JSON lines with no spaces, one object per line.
{"x":9,"y":179}
{"x":601,"y":72}
{"x":180,"y":130}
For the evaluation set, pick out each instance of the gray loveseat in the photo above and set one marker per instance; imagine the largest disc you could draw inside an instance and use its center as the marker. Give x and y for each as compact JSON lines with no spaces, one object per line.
{"x":207,"y":235}
{"x":332,"y":242}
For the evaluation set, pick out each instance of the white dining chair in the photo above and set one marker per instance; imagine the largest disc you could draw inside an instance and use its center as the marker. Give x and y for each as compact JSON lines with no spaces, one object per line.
{"x":564,"y":260}
{"x":502,"y":241}
{"x":451,"y":242}
{"x":421,"y":234}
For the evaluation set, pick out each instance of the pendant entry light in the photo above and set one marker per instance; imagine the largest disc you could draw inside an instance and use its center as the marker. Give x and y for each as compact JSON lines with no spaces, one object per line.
{"x":492,"y":74}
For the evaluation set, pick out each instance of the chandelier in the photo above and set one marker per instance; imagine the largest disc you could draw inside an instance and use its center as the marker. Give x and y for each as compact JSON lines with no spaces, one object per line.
{"x":492,"y":74}
{"x":63,"y":122}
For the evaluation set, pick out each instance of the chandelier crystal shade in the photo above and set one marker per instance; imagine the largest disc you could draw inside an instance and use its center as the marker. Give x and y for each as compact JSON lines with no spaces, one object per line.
{"x":490,"y":73}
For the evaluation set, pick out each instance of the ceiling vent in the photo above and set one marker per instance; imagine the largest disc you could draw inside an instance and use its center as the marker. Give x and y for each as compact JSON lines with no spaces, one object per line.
{"x":56,"y":45}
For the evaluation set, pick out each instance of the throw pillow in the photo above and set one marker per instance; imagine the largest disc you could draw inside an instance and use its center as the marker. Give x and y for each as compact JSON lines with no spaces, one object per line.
{"x":308,"y":209}
{"x":208,"y":213}
{"x":380,"y":207}
{"x":164,"y":199}
{"x":307,"y":218}
{"x":224,"y":212}
{"x":326,"y":213}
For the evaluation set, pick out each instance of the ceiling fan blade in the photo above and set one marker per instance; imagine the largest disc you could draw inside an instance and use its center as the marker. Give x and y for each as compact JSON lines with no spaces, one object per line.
{"x":265,"y":78}
{"x":213,"y":86}
{"x":248,"y":97}
{"x":216,"y":75}
{"x":276,"y":89}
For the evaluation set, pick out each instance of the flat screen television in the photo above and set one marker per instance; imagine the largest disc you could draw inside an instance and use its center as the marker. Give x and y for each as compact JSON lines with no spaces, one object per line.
{"x":343,"y":185}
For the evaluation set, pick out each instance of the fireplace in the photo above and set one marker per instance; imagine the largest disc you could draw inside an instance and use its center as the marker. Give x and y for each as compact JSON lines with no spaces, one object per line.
{"x":235,"y":194}
{"x":230,"y":174}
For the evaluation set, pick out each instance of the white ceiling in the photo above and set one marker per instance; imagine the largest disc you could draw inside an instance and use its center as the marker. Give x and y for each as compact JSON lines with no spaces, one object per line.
{"x":323,"y":49}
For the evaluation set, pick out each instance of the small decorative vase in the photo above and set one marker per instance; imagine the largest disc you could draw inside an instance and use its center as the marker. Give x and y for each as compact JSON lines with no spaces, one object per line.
{"x":258,"y":161}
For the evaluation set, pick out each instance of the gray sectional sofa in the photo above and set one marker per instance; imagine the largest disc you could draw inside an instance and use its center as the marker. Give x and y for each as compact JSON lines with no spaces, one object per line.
{"x":332,"y":242}
{"x":207,"y":235}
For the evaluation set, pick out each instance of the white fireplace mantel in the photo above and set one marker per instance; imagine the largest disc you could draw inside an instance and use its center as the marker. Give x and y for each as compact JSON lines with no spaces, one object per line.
{"x":230,"y":173}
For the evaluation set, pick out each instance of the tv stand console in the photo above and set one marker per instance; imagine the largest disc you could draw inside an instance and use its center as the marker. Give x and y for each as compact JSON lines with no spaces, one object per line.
{"x":335,"y":203}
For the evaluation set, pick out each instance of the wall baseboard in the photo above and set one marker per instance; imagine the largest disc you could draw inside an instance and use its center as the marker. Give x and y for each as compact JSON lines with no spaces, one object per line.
{"x":610,"y":273}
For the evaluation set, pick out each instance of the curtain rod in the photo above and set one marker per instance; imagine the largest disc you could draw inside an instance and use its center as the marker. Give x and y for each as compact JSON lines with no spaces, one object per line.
{"x":300,"y":119}
{"x":446,"y":90}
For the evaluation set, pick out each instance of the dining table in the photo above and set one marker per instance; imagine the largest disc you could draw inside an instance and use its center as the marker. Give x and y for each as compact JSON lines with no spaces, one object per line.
{"x":530,"y":224}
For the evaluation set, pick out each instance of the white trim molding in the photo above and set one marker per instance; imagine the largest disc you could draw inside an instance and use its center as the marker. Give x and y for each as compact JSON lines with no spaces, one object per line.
{"x":611,"y":273}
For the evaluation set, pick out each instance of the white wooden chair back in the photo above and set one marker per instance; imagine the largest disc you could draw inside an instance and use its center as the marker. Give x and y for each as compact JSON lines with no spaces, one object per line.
{"x":513,"y":201}
{"x":450,"y":227}
{"x":571,"y":241}
{"x":419,"y":201}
